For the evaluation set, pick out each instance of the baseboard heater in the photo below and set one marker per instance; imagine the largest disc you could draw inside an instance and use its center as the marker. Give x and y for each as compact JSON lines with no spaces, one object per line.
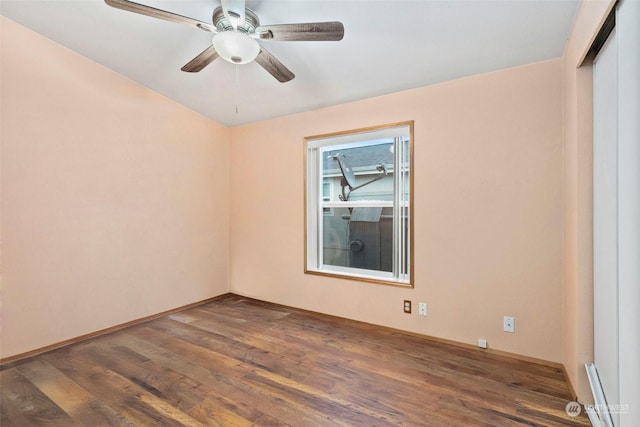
{"x":599,"y":413}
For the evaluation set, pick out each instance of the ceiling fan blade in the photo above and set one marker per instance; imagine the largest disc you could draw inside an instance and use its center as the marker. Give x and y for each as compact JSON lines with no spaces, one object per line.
{"x":160,"y":14}
{"x":273,"y":66}
{"x":311,"y":31}
{"x":234,"y":11}
{"x":205,"y":58}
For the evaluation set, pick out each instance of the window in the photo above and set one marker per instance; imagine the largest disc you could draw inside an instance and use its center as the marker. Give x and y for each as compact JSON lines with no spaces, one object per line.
{"x":358,"y":204}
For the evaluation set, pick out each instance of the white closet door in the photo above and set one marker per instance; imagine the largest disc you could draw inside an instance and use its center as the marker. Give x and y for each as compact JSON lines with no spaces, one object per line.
{"x":628,"y":24}
{"x":616,"y":216}
{"x":605,"y":217}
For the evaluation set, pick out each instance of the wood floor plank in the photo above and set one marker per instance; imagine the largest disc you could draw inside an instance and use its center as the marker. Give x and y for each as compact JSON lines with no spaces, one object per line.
{"x":22,"y":396}
{"x":236,"y":361}
{"x":132,"y":400}
{"x":216,"y":374}
{"x":187,"y":394}
{"x":11,"y":412}
{"x":63,"y":391}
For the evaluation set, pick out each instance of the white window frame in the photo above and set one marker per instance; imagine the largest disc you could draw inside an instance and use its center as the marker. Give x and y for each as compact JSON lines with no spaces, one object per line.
{"x":314,"y":204}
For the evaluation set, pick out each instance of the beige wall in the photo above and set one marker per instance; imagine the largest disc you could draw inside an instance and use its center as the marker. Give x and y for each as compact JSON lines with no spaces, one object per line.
{"x":578,"y":195}
{"x":114,"y":199}
{"x":488,"y":208}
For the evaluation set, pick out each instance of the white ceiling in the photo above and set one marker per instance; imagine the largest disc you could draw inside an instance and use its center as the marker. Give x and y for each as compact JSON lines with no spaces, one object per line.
{"x":389,"y":46}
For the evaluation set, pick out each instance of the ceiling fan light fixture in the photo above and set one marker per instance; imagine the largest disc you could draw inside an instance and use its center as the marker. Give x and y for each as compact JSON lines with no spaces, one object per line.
{"x":236,"y":47}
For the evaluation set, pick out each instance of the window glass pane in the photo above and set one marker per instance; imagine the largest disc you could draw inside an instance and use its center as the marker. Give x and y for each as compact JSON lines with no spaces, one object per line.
{"x":359,"y":237}
{"x":335,"y":239}
{"x":362,"y":162}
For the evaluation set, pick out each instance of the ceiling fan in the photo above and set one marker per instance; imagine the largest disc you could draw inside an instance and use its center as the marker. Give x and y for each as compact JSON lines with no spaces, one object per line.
{"x":236,"y":31}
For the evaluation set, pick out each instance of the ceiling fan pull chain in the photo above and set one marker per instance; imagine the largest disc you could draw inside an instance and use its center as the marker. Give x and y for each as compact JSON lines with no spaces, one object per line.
{"x":237,"y":87}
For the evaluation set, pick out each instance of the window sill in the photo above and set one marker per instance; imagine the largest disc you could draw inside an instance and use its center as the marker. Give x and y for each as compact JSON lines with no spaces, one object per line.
{"x":361,"y":278}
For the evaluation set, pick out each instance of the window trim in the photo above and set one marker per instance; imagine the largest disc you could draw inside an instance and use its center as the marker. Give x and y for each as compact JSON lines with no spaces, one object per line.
{"x":310,"y":237}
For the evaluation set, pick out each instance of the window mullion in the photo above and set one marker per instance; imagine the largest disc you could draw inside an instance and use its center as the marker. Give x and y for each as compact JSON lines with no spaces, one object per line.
{"x":319,"y":208}
{"x":404,"y":209}
{"x":396,"y":203}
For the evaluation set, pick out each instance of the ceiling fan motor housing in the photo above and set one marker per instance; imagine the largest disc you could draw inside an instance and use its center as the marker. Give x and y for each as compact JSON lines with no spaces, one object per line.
{"x":220,"y":21}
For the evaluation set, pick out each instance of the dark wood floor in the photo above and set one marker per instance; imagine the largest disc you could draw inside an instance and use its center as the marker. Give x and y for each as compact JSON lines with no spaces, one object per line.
{"x":237,"y":361}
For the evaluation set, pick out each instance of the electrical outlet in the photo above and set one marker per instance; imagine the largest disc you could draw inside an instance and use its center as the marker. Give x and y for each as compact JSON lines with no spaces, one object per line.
{"x":422,"y":309}
{"x":407,"y":306}
{"x":482,"y":343}
{"x":509,"y":324}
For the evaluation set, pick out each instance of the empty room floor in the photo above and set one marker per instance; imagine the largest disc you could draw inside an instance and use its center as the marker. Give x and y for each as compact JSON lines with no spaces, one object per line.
{"x":236,"y":361}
